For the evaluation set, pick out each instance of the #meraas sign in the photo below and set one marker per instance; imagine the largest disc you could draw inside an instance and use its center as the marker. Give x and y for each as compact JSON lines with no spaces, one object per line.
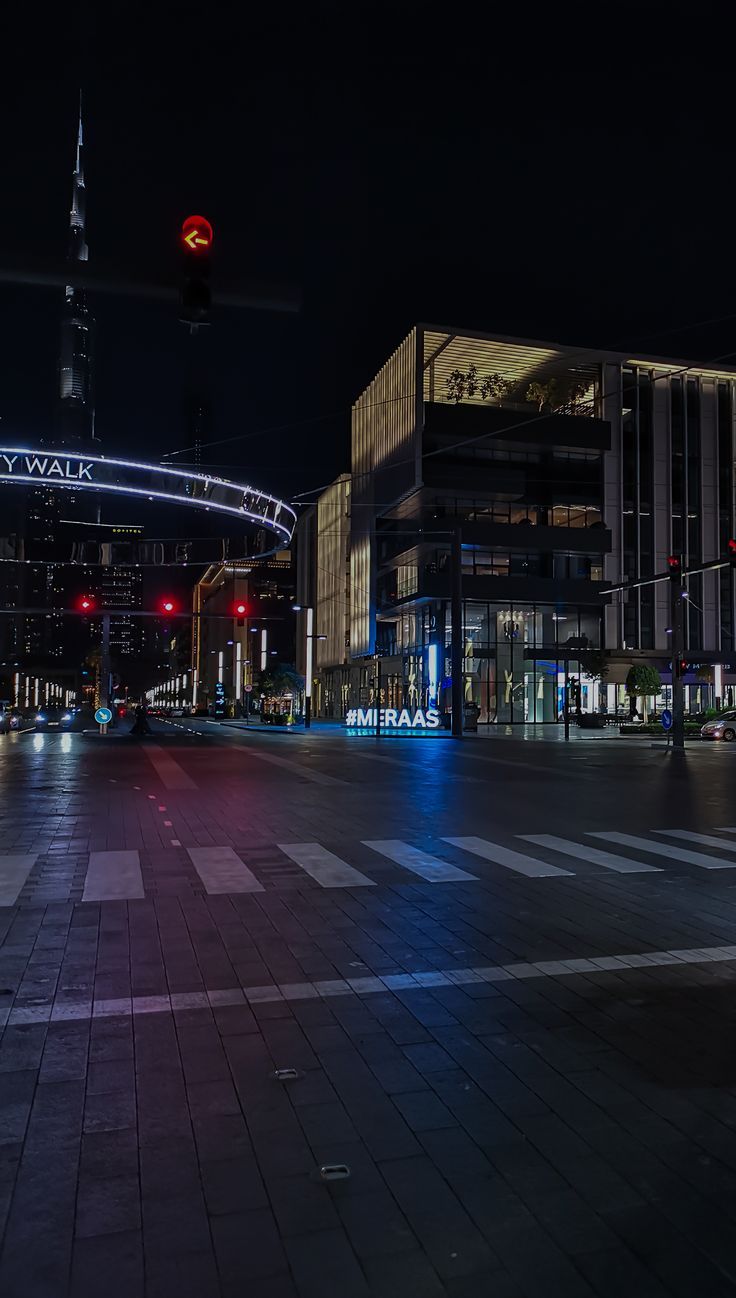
{"x":46,"y":467}
{"x":393,"y":718}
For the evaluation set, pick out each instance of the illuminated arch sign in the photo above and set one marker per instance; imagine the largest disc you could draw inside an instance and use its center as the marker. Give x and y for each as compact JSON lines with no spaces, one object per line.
{"x":74,"y":470}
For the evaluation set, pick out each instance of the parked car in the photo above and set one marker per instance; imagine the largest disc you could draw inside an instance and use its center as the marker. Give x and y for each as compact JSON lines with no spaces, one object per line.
{"x":723,"y":727}
{"x":10,"y":720}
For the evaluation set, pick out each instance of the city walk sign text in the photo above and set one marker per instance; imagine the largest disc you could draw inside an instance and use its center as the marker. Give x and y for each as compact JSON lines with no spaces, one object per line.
{"x":46,"y":467}
{"x":393,"y":719}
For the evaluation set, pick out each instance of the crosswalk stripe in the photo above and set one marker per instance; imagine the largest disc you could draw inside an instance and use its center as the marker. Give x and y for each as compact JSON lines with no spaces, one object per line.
{"x":609,"y":861}
{"x":428,"y":867}
{"x":705,"y":840}
{"x":516,"y":861}
{"x":14,"y":870}
{"x":662,"y":849}
{"x":221,"y":870}
{"x":329,"y":870}
{"x":170,"y":773}
{"x":315,"y":777}
{"x":113,"y":876}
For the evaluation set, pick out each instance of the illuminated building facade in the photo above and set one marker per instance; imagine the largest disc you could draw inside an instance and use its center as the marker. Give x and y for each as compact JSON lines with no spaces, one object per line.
{"x":47,"y":639}
{"x":228,"y":649}
{"x":564,"y":470}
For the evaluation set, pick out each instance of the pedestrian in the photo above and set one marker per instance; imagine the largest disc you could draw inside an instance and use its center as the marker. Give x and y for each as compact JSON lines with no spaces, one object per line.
{"x":141,"y":726}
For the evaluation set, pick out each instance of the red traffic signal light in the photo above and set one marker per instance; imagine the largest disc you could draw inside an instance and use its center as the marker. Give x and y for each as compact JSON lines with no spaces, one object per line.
{"x":240,"y":610}
{"x":168,"y":606}
{"x":196,"y":235}
{"x":731,"y":547}
{"x":86,"y":603}
{"x":674,"y":563}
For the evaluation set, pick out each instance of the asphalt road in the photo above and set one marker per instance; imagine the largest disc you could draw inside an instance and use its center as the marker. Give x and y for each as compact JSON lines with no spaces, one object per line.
{"x":501,"y":970}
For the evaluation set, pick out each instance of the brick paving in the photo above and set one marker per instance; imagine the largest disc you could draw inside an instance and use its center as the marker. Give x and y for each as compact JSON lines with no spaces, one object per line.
{"x":530,"y":1080}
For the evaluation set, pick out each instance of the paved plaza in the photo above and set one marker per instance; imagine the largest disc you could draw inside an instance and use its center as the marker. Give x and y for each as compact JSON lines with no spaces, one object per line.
{"x":303,"y":1015}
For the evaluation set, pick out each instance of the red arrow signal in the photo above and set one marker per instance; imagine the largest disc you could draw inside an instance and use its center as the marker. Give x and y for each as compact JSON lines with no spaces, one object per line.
{"x":196,"y":234}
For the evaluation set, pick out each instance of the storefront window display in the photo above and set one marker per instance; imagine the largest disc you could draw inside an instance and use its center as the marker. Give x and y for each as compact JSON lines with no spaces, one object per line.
{"x":516,"y":658}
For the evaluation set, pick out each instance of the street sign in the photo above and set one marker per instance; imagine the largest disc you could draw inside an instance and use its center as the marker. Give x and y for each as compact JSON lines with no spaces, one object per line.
{"x":666,"y":719}
{"x":248,"y":689}
{"x":103,"y":717}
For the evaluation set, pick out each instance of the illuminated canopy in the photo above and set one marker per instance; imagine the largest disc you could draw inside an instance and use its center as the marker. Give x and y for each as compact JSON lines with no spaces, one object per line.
{"x":75,"y":471}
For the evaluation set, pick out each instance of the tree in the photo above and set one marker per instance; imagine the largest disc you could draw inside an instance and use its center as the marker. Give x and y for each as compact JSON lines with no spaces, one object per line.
{"x":462,"y":383}
{"x":643,"y":682}
{"x":594,"y":662}
{"x":281,"y":679}
{"x":564,"y":394}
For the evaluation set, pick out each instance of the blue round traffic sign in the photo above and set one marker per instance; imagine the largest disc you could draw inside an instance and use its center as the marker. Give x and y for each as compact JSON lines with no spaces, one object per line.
{"x":666,"y":719}
{"x":103,"y":716}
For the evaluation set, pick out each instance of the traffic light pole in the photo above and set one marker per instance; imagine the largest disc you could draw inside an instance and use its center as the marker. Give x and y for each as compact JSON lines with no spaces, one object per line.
{"x":456,"y":625}
{"x":677,"y":601}
{"x":105,"y":663}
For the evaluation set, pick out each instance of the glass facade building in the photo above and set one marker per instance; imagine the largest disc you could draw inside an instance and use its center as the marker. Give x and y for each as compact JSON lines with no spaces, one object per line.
{"x":565,"y":472}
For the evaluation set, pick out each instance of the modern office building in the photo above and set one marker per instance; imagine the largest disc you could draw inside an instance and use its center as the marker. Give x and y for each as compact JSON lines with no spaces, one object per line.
{"x":323,"y":583}
{"x":228,"y":649}
{"x":561,"y":472}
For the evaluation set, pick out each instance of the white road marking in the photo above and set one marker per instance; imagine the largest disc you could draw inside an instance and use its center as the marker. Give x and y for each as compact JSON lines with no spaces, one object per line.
{"x":705,"y":840}
{"x":14,"y":870}
{"x":608,"y":860}
{"x":221,"y":870}
{"x":324,"y":866}
{"x":516,"y":861}
{"x":316,"y":777}
{"x":428,"y":867}
{"x":365,"y":986}
{"x":414,"y":766}
{"x":662,"y":849}
{"x":113,"y":876}
{"x":170,"y":773}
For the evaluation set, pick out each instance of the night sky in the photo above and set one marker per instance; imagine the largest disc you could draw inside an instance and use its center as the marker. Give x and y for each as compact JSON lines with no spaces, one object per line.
{"x":485,"y":184}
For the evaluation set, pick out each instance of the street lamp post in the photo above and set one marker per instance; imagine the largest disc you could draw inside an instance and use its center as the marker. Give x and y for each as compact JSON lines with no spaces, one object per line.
{"x":309,"y":660}
{"x":310,"y":638}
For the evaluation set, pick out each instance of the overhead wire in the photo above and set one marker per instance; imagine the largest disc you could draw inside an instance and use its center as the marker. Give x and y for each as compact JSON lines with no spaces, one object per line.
{"x":544,"y":366}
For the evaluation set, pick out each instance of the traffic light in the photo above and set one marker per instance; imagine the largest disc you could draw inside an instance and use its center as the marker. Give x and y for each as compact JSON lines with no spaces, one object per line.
{"x":196,"y":298}
{"x":674,"y":563}
{"x":86,"y":603}
{"x":240,"y":609}
{"x":731,"y":548}
{"x":168,"y":605}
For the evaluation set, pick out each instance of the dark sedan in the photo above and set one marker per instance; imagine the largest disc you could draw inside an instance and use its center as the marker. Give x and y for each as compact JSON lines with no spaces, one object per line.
{"x":54,"y":719}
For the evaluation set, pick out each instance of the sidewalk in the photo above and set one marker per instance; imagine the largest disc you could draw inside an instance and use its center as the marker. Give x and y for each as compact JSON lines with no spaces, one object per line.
{"x":549,"y":733}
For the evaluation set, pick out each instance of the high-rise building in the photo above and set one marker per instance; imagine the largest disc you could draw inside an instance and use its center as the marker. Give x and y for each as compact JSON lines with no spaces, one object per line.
{"x":121,"y":587}
{"x":76,"y":412}
{"x":48,"y":638}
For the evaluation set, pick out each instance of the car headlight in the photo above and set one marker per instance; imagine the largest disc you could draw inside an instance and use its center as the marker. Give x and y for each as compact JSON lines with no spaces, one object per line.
{"x":40,"y":717}
{"x":67,"y":716}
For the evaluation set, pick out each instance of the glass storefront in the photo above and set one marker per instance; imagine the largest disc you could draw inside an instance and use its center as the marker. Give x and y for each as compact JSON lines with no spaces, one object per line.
{"x":517,"y":656}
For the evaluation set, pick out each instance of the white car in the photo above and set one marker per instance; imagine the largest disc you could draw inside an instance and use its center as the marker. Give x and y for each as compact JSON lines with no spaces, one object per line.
{"x":723,"y":727}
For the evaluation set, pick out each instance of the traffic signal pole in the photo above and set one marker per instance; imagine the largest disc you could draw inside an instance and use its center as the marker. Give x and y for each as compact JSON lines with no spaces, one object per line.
{"x":105,"y":662}
{"x":677,"y":619}
{"x":456,"y":624}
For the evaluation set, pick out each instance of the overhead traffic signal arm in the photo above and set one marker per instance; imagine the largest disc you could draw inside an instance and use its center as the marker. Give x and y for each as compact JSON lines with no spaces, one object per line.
{"x":252,"y":295}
